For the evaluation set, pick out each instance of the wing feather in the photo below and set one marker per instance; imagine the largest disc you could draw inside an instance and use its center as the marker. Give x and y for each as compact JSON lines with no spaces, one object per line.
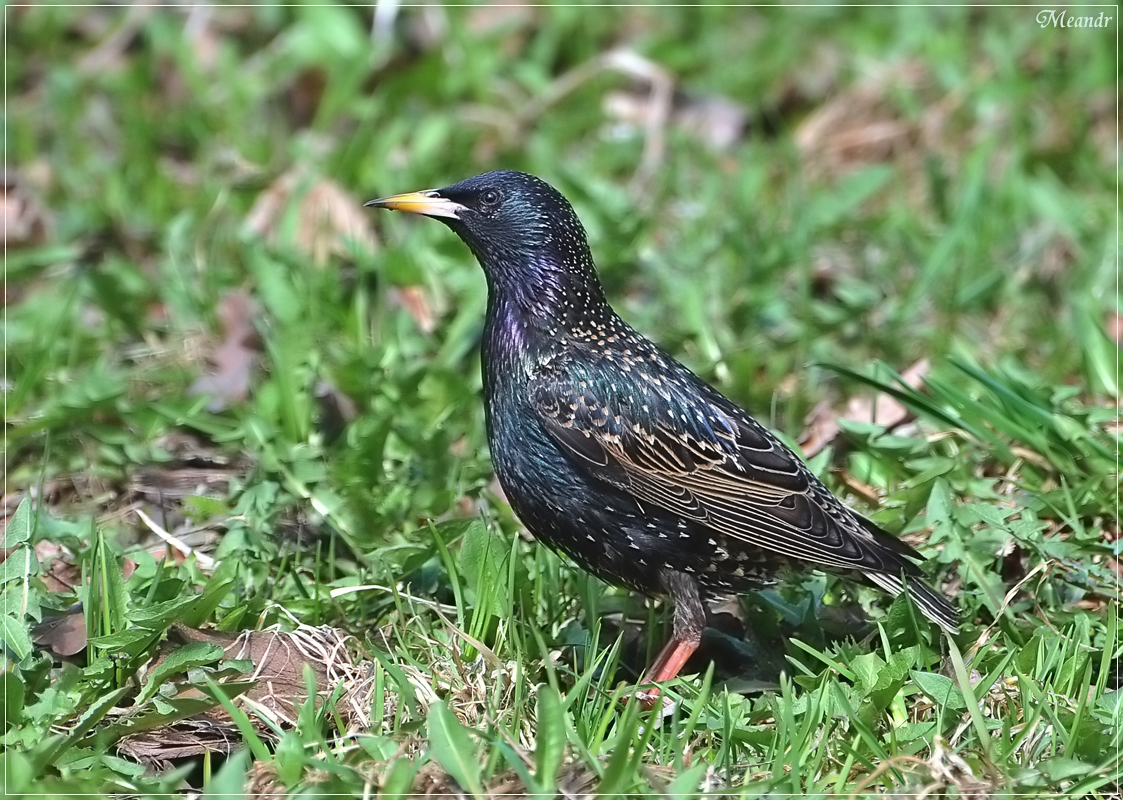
{"x":708,"y":462}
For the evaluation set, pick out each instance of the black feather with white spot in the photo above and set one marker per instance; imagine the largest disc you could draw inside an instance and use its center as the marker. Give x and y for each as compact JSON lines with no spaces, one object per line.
{"x":612,"y":451}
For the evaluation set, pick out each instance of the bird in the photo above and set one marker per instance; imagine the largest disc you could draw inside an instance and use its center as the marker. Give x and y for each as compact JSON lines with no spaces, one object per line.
{"x":612,"y":452}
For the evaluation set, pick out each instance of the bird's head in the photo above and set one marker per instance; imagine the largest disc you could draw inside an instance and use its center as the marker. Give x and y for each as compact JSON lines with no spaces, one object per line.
{"x":523,"y":231}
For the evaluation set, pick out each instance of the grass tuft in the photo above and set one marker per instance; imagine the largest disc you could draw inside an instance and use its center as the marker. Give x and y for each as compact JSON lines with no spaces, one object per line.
{"x":237,"y":405}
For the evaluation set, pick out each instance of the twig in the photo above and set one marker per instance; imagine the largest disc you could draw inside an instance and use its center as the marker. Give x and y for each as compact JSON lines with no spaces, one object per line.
{"x":204,"y":561}
{"x":630,"y":63}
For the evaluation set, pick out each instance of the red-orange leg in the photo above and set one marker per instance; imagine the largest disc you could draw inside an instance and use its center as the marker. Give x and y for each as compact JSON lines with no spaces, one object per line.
{"x":689,"y":621}
{"x":667,"y":666}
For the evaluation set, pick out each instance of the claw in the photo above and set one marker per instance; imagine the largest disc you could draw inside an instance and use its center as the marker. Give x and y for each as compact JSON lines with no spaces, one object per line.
{"x":650,"y":696}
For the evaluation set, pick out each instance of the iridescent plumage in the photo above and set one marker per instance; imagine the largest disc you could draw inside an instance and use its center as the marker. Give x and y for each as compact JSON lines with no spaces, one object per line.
{"x":613,"y":452}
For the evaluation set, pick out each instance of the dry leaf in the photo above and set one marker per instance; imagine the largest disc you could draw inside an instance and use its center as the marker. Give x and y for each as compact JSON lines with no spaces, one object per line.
{"x":25,"y":221}
{"x":864,"y":125}
{"x":187,"y":738}
{"x":714,"y":120}
{"x":1115,"y":328}
{"x":486,"y":18}
{"x":264,"y":784}
{"x":415,"y":301}
{"x":63,"y":636}
{"x":201,"y":35}
{"x":109,"y":55}
{"x":233,"y":361}
{"x":61,"y":574}
{"x":819,"y":429}
{"x":869,"y":494}
{"x":717,"y":122}
{"x":885,"y":409}
{"x":327,"y":221}
{"x":304,"y":95}
{"x":278,"y":659}
{"x":859,"y":125}
{"x":821,"y":426}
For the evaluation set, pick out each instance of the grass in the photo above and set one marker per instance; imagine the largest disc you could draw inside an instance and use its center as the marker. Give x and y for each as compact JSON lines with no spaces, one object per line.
{"x":900,"y":184}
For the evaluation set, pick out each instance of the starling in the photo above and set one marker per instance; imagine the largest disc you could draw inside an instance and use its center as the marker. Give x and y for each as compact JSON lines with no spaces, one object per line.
{"x":614,"y":453}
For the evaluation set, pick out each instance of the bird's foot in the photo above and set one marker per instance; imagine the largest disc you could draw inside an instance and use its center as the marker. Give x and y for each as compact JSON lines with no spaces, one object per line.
{"x":650,"y":696}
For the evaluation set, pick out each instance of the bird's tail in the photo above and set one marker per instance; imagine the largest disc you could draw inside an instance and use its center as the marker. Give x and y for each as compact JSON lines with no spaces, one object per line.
{"x":931,"y":603}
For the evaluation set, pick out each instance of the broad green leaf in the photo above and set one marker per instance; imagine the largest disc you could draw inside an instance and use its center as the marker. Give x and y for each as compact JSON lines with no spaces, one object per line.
{"x":15,"y":635}
{"x":483,"y":557}
{"x":14,"y":691}
{"x":19,"y":565}
{"x":22,"y":600}
{"x":399,"y":778}
{"x":380,"y":748}
{"x":1109,"y":707}
{"x":19,"y":526}
{"x":190,"y":656}
{"x":1061,"y":768}
{"x":216,"y":590}
{"x":122,"y":641}
{"x":887,"y":682}
{"x":160,"y":616}
{"x":550,"y":737}
{"x":19,"y":772}
{"x":91,"y":717}
{"x":200,"y":508}
{"x":868,"y":669}
{"x":289,"y":758}
{"x":453,"y":748}
{"x":940,"y":688}
{"x":230,"y":780}
{"x":100,"y":668}
{"x":685,"y":786}
{"x":901,"y":662}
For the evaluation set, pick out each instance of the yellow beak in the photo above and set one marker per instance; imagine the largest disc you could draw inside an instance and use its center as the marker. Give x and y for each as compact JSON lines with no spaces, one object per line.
{"x":428,"y":203}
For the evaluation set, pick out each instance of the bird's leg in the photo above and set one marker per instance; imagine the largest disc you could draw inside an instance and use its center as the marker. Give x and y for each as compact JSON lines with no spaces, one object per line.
{"x":686,"y":635}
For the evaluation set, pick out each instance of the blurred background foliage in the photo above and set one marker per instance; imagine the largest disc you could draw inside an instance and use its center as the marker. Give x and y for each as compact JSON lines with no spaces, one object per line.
{"x":767,"y":190}
{"x":202,"y":322}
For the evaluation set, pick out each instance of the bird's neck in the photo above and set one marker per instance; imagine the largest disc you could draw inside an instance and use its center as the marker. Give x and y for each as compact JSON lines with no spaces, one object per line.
{"x":530,"y":320}
{"x":543,"y":297}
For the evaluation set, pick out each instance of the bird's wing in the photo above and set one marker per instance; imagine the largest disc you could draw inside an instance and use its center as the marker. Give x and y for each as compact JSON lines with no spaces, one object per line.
{"x":683,"y":447}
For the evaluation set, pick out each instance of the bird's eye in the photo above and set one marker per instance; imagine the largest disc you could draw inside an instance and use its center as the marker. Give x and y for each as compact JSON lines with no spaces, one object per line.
{"x":490,"y":197}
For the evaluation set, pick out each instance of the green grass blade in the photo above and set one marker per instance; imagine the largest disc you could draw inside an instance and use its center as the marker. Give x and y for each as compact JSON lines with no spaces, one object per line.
{"x":452,"y":747}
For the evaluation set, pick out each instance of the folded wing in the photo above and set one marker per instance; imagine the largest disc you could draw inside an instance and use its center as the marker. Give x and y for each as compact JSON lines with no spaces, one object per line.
{"x":689,"y":451}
